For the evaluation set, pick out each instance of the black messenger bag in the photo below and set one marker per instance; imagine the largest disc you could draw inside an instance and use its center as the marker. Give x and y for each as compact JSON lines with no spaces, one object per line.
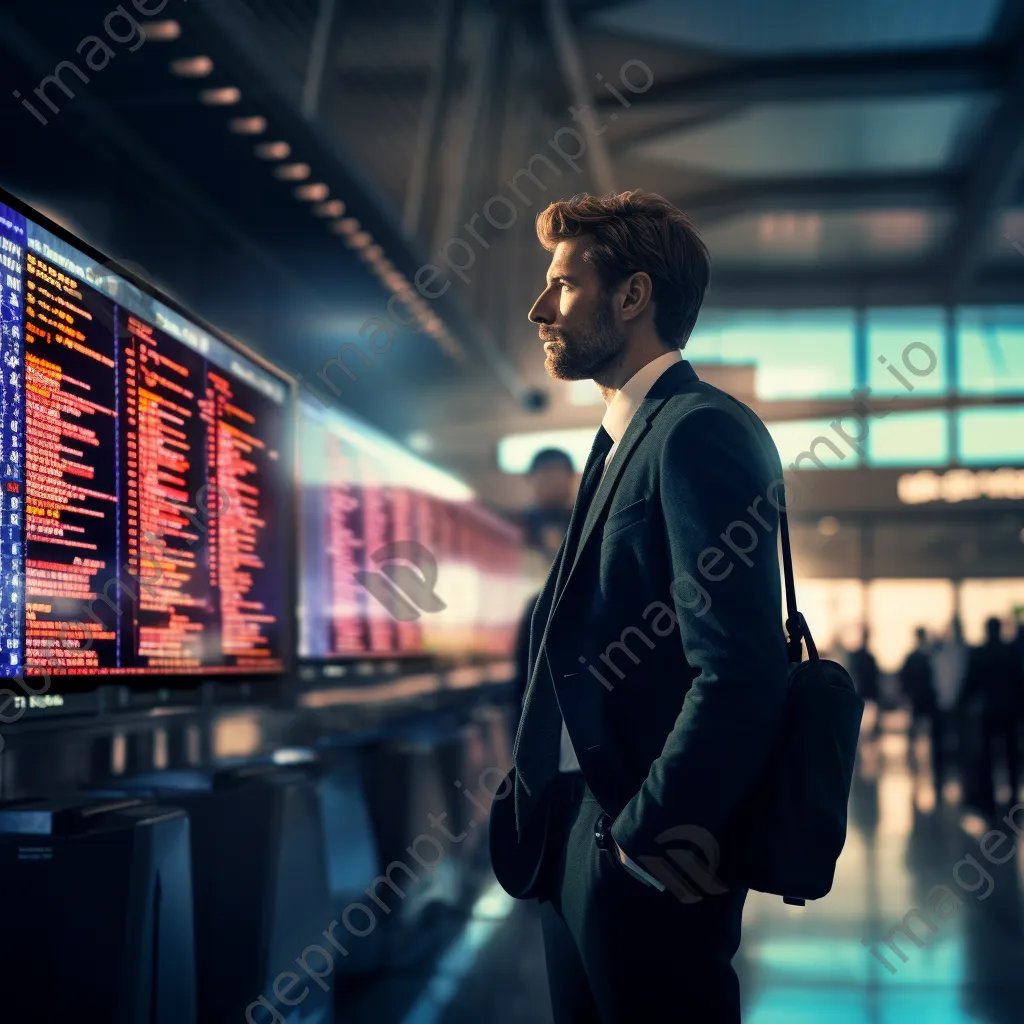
{"x":791,"y":826}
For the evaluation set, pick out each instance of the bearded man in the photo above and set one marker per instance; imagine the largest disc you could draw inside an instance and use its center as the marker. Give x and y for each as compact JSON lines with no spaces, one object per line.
{"x":657,"y":661}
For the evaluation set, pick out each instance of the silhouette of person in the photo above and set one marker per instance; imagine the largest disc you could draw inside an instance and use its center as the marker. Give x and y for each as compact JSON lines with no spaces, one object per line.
{"x":918,"y":685}
{"x":995,"y":688}
{"x":864,"y":670}
{"x":949,"y":670}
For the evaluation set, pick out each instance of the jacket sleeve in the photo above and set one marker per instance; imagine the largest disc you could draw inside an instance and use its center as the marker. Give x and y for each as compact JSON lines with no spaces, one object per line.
{"x":715,"y":481}
{"x":522,"y":654}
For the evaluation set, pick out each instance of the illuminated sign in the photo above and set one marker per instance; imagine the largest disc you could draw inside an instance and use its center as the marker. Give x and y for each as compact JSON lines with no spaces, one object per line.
{"x":961,"y":485}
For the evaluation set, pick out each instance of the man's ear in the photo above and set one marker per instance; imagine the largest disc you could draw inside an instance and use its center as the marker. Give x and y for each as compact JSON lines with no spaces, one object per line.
{"x":637,"y":294}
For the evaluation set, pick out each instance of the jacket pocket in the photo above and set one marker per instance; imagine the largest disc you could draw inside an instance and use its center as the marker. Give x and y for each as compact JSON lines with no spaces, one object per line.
{"x":626,"y":516}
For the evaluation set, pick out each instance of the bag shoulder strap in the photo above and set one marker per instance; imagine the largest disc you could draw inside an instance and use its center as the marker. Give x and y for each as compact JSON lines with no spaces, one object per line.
{"x":796,"y":625}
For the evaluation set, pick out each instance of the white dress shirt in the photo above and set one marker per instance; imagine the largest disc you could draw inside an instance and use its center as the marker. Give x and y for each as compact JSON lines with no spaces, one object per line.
{"x":620,"y":411}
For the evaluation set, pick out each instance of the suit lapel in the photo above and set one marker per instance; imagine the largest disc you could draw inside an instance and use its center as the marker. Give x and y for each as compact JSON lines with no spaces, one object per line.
{"x":541,"y":614}
{"x":664,"y":387}
{"x":544,"y":611}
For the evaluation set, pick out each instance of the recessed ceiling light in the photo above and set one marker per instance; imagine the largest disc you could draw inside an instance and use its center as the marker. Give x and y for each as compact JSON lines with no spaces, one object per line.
{"x":828,"y":526}
{"x":225,"y":97}
{"x":192,"y":67}
{"x":292,"y":172}
{"x":361,"y":239}
{"x":273,"y":150}
{"x":248,"y":125}
{"x":162,"y":31}
{"x":334,"y":208}
{"x":347,"y":226}
{"x":374,"y":253}
{"x":312,"y":193}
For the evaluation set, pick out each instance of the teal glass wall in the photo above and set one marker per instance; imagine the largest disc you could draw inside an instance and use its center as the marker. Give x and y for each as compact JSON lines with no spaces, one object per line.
{"x":909,"y":439}
{"x":911,"y":342}
{"x":831,"y":354}
{"x":990,"y":350}
{"x":797,"y":355}
{"x":991,"y":436}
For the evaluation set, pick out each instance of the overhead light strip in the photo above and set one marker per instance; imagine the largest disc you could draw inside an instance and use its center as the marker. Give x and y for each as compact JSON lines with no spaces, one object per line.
{"x":334,"y":211}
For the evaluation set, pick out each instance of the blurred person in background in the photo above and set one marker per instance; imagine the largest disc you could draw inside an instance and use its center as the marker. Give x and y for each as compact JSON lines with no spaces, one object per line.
{"x":552,"y":479}
{"x":864,"y":670}
{"x":949,"y":670}
{"x":917,"y":682}
{"x":993,"y":697}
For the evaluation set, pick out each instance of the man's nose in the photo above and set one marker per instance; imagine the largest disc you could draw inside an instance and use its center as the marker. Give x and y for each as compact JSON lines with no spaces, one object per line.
{"x":539,"y":314}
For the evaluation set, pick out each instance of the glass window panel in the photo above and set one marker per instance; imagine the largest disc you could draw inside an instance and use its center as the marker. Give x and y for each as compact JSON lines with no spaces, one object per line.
{"x":913,"y":342}
{"x":991,"y":350}
{"x":797,"y":355}
{"x":897,"y":607}
{"x":516,"y":451}
{"x":982,"y":599}
{"x":834,"y":610}
{"x":909,"y":439}
{"x":990,"y":436}
{"x":705,"y":345}
{"x":812,"y":444}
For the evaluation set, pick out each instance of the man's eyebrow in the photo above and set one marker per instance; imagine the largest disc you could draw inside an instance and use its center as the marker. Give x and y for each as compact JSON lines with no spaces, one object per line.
{"x":560,"y":277}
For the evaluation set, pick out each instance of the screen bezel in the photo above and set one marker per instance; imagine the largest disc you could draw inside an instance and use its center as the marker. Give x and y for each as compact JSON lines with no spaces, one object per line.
{"x":77,"y":684}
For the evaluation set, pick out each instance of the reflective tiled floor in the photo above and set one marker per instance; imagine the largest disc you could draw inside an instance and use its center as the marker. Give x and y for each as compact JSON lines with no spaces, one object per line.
{"x":837,"y":961}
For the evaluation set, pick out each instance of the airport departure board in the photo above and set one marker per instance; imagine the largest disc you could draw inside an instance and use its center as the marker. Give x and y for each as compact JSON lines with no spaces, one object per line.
{"x":146,"y":478}
{"x":398,"y":557}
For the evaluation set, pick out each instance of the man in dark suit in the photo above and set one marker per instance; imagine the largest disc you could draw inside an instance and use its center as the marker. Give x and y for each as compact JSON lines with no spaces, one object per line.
{"x":658,"y":660}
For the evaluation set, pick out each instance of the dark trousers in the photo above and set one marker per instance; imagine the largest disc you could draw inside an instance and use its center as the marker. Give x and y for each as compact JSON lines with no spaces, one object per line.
{"x":1001,"y":741}
{"x":621,"y":952}
{"x":940,"y":727}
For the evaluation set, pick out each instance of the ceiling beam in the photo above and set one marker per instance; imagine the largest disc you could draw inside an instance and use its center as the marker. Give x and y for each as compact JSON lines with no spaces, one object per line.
{"x":570,"y":63}
{"x":882,"y":191}
{"x":623,"y":146}
{"x":992,"y":182}
{"x":861,"y":75}
{"x":425,"y":163}
{"x":409,"y":80}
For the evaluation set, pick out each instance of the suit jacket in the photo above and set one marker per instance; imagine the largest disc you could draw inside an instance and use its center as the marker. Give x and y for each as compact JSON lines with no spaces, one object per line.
{"x":666,"y":648}
{"x":522,"y":656}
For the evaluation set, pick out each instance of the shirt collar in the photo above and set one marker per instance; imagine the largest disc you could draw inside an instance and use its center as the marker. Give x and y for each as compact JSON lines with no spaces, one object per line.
{"x":630,"y":396}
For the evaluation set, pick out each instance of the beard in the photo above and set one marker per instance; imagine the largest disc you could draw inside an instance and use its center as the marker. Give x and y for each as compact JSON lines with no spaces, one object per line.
{"x":582,"y":354}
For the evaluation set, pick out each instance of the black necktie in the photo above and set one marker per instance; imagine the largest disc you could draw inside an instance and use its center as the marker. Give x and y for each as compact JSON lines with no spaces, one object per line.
{"x":590,"y":481}
{"x":540,"y":733}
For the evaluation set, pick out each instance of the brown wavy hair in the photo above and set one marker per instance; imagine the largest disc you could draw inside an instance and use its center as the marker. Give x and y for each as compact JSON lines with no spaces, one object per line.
{"x":638,"y":231}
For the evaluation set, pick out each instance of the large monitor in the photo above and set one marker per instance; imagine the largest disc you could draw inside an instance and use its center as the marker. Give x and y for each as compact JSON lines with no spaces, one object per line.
{"x":146,"y":477}
{"x":398,"y":557}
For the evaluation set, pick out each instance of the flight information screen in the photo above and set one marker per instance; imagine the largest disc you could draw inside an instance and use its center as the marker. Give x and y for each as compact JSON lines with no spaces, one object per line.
{"x":398,"y":558}
{"x":145,"y":479}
